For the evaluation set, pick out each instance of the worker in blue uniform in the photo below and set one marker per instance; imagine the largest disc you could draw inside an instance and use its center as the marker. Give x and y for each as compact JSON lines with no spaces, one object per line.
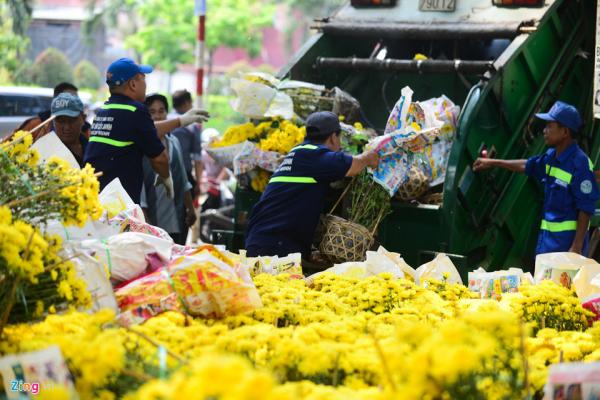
{"x":286,"y":216}
{"x":570,"y":189}
{"x":123,"y":131}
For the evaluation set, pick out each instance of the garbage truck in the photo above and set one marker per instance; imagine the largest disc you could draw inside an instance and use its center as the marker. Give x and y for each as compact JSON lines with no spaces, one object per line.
{"x":502,"y":61}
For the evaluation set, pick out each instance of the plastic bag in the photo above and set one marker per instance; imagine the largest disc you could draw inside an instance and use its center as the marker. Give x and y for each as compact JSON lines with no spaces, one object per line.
{"x":397,"y":118}
{"x":575,"y":380}
{"x":587,"y":280}
{"x":50,"y":145}
{"x":443,"y":109}
{"x":224,"y":156}
{"x":436,"y":269}
{"x":346,"y":105}
{"x":587,"y":287}
{"x":252,"y":157}
{"x":376,"y":262}
{"x":27,"y":375}
{"x":125,"y":254}
{"x":114,"y":198}
{"x":97,"y":281}
{"x":257,"y":100}
{"x":290,"y":264}
{"x":392,"y":171}
{"x":132,"y":220}
{"x":203,"y":283}
{"x":91,"y":229}
{"x":559,"y":267}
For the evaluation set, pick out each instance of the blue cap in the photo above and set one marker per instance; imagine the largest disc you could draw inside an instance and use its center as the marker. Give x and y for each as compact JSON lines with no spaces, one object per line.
{"x":565,"y":114}
{"x":66,"y":104}
{"x":124,"y":69}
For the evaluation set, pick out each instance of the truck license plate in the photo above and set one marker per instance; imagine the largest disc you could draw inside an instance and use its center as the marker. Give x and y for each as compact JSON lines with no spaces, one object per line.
{"x":437,"y":5}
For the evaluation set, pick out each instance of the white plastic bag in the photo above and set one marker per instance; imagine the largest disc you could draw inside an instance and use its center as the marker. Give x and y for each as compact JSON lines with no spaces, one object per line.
{"x":91,"y":230}
{"x":559,"y":267}
{"x":125,"y":253}
{"x":96,"y":278}
{"x":50,"y":145}
{"x":115,"y":199}
{"x":436,"y":269}
{"x":256,"y":100}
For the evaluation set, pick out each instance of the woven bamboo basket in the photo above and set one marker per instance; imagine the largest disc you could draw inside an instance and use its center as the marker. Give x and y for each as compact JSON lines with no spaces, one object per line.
{"x":344,"y":240}
{"x":416,"y":185}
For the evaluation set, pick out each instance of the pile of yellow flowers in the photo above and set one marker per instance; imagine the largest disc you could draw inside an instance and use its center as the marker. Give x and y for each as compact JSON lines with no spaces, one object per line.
{"x":373,"y":338}
{"x":34,"y":277}
{"x":271,"y":135}
{"x":260,"y":180}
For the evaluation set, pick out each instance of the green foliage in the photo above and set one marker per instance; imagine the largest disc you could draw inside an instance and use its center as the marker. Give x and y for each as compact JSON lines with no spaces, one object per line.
{"x":168,"y":33}
{"x":86,"y":75}
{"x":11,"y":45}
{"x":50,"y":68}
{"x":238,"y":24}
{"x":222,"y":115}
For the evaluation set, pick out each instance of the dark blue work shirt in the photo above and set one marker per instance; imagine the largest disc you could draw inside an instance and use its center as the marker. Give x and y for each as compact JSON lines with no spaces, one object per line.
{"x":569,"y":187}
{"x":286,"y":216}
{"x":121,"y":135}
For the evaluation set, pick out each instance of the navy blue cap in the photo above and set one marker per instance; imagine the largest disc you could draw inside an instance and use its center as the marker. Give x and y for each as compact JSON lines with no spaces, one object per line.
{"x":565,"y":114}
{"x":124,"y":69}
{"x":66,"y":104}
{"x":322,"y":124}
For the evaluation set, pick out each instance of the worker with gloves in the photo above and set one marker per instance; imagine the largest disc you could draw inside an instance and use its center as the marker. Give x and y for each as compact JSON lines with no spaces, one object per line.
{"x":285,"y":218}
{"x":123,"y":131}
{"x":570,"y":190}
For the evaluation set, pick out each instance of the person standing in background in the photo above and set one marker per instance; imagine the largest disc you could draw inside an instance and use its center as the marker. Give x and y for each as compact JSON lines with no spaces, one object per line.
{"x":173,"y":215}
{"x":190,"y":139}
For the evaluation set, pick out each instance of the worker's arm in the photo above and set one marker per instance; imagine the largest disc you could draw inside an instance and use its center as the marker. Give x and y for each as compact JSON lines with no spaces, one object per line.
{"x":160,"y":164}
{"x":512,"y":165}
{"x":583,"y":222}
{"x":360,"y":162}
{"x":164,"y":127}
{"x":198,"y":169}
{"x":195,"y":115}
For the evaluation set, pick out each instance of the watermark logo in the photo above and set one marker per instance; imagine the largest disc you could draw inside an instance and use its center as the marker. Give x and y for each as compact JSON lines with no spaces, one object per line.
{"x":25,"y":387}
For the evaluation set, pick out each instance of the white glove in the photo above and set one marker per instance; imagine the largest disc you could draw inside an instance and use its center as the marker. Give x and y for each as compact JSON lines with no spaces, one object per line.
{"x":194,"y":115}
{"x":168,"y":182}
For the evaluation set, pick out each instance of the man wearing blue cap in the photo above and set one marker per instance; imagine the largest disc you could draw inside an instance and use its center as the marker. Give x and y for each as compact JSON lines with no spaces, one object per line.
{"x":123,"y":131}
{"x":69,"y":118}
{"x":286,"y":216}
{"x":570,"y":190}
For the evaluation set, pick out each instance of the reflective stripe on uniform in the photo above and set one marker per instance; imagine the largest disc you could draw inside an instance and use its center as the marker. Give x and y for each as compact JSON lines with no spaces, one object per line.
{"x":118,"y":107}
{"x":110,"y":142}
{"x":559,"y":226}
{"x":591,"y":164}
{"x":292,"y":179}
{"x":558,"y":173}
{"x":305,"y":146}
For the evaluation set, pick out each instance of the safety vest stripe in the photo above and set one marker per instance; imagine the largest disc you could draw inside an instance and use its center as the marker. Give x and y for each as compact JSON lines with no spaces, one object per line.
{"x":305,"y":146}
{"x":110,"y":142}
{"x":292,"y":179}
{"x":591,"y":164}
{"x":118,"y":107}
{"x":559,"y":226}
{"x":559,"y":173}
